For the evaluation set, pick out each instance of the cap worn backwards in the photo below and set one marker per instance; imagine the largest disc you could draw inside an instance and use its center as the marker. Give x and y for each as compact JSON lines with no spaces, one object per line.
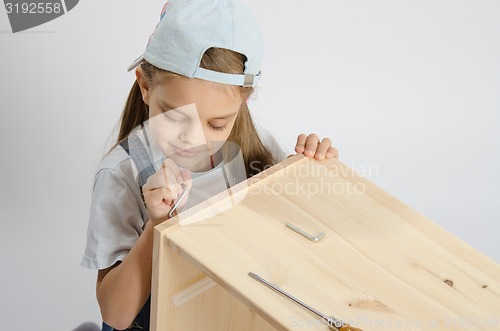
{"x":187,"y":28}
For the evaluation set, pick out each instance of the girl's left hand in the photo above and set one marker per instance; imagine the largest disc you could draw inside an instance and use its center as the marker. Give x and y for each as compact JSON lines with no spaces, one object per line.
{"x":311,"y":146}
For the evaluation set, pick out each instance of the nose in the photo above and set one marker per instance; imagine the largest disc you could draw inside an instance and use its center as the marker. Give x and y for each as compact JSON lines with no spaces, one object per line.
{"x":192,"y":135}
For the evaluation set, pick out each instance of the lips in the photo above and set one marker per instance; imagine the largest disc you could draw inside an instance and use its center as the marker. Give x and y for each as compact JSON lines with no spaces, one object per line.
{"x":186,"y":152}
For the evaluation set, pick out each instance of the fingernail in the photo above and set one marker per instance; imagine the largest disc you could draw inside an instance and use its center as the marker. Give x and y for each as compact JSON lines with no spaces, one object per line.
{"x":320,"y":155}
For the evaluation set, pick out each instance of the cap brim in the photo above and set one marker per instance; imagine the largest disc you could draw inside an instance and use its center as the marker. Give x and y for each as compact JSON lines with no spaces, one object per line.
{"x":136,"y":63}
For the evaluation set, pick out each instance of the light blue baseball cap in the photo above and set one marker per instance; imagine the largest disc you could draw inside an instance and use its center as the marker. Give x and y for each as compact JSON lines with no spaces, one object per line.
{"x":187,"y":28}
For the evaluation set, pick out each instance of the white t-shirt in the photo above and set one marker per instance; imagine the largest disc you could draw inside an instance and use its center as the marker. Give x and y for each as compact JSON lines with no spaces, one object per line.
{"x":117,"y":212}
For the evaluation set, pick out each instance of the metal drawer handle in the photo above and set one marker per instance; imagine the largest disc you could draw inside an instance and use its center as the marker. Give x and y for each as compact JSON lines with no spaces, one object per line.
{"x":305,"y":234}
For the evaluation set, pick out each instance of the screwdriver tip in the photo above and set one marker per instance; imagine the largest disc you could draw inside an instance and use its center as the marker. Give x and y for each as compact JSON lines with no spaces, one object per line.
{"x":251,"y":274}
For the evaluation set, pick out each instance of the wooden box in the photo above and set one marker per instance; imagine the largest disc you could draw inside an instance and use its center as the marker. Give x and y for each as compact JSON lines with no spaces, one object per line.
{"x":380,"y":266}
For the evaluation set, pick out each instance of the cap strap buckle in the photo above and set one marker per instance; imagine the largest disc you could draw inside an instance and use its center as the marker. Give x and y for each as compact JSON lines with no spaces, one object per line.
{"x":249,"y":80}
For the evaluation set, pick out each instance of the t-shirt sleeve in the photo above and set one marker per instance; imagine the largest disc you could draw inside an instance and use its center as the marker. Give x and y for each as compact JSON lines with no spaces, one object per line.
{"x":115,"y":220}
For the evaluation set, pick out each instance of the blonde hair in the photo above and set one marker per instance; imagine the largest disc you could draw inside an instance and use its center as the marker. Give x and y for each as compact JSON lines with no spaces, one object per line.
{"x":255,"y":154}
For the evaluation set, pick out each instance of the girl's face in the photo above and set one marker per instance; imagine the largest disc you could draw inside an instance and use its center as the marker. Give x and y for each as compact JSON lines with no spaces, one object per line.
{"x":190,"y":119}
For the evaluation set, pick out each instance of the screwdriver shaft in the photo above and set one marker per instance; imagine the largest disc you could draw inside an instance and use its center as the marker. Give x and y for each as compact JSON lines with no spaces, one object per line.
{"x":330,"y":320}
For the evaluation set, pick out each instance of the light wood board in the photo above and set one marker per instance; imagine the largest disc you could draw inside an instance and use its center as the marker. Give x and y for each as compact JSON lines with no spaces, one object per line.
{"x":381,"y":265}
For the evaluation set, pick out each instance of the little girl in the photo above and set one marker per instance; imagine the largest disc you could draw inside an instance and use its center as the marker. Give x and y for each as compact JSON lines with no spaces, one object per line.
{"x":185,"y":113}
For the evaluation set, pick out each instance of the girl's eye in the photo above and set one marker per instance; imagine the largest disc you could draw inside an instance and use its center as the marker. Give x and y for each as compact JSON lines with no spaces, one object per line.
{"x":171,"y":119}
{"x":218,"y":128}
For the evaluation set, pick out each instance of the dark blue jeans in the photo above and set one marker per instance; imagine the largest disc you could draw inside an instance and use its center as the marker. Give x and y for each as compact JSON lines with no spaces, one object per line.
{"x":141,"y":322}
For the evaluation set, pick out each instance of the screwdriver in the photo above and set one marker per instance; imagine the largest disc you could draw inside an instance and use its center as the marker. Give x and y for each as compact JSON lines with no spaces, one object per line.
{"x":333,"y":323}
{"x":178,"y":201}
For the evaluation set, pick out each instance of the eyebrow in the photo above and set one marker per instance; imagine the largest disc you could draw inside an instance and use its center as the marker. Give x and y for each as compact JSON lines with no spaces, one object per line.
{"x":224,"y":116}
{"x":165,"y":104}
{"x":171,"y":107}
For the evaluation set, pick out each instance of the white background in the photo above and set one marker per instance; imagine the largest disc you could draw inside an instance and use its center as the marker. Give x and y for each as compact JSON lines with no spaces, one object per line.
{"x":408,"y":89}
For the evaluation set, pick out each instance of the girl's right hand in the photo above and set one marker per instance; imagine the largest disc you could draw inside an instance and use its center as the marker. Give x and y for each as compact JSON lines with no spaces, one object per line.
{"x":163,"y":188}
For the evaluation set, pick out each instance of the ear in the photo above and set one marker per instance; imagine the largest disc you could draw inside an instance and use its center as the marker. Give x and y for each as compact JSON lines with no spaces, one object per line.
{"x":143,"y":84}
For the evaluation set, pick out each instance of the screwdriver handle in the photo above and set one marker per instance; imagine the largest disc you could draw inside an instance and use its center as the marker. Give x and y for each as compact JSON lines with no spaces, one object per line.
{"x":344,"y":327}
{"x":347,"y":327}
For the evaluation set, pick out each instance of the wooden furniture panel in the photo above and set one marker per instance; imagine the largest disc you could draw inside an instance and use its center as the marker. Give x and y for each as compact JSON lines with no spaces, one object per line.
{"x":380,"y":266}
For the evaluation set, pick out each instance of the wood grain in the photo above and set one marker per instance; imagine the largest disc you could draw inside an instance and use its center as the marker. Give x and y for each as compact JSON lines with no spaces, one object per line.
{"x":381,"y":265}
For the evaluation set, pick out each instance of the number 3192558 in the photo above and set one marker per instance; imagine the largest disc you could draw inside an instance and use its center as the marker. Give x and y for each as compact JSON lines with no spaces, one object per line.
{"x":33,"y":8}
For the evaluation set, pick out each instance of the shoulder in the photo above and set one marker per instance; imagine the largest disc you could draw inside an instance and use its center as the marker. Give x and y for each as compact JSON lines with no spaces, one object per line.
{"x":114,"y":159}
{"x":117,"y":163}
